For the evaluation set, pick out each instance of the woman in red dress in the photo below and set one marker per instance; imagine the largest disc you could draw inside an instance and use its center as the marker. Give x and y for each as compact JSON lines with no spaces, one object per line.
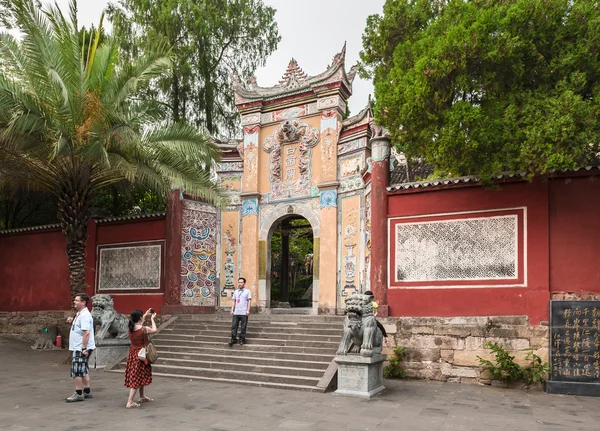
{"x":138,"y":373}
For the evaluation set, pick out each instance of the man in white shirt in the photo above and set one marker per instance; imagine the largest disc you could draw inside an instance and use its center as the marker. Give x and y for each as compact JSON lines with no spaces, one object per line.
{"x":240,"y":310}
{"x":81,"y":343}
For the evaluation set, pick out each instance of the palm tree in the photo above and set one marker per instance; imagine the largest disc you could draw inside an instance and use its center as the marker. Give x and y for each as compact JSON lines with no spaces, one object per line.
{"x":72,"y":124}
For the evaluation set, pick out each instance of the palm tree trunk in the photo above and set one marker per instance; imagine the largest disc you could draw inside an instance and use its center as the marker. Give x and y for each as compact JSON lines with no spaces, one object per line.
{"x":74,"y":214}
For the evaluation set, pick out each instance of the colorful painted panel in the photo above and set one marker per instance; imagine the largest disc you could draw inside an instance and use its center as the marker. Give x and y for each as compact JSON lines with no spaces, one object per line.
{"x":350,"y":166}
{"x":350,"y":249}
{"x":199,"y":254}
{"x":231,"y":183}
{"x":347,"y":147}
{"x":230,"y":254}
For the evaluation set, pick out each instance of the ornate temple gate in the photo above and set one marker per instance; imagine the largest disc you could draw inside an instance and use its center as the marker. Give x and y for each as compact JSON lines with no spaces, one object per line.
{"x":298,"y":157}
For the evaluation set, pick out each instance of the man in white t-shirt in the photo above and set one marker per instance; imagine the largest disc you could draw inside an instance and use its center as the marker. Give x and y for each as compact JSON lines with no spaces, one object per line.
{"x":81,"y":343}
{"x":240,"y":310}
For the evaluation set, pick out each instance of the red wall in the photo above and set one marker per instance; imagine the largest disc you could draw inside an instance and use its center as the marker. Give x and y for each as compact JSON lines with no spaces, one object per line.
{"x":34,"y":272}
{"x":124,"y":232}
{"x":531,"y":300}
{"x":575,"y":235}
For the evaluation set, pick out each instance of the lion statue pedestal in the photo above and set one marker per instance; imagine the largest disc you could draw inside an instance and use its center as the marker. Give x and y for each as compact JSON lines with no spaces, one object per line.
{"x":359,"y":357}
{"x":112,"y":340}
{"x":360,"y":376}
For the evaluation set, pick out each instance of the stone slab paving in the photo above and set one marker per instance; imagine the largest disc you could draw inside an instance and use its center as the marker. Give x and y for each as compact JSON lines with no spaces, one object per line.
{"x":33,"y":386}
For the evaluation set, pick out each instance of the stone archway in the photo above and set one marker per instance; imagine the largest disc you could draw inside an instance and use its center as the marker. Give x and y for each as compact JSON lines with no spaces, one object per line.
{"x":267,"y":228}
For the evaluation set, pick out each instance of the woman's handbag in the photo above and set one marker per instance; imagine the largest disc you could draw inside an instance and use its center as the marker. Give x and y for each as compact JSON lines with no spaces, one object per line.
{"x":148,"y":352}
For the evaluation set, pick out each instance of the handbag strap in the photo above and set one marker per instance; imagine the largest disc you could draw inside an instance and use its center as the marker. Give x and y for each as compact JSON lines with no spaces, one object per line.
{"x":146,"y":337}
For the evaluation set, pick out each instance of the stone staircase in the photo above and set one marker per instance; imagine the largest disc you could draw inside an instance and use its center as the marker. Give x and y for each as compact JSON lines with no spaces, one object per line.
{"x":281,"y":351}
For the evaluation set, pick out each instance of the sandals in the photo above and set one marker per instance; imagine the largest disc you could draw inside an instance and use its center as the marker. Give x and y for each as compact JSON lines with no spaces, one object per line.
{"x":145,"y":400}
{"x":133,"y":406}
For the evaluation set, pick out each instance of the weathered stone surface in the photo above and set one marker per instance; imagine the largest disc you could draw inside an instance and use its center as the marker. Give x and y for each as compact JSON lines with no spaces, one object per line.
{"x":450,"y":371}
{"x":423,"y":355}
{"x":469,"y":358}
{"x":447,"y":355}
{"x":432,"y":372}
{"x":390,"y":329}
{"x":458,"y":330}
{"x":428,"y":342}
{"x":505,"y":332}
{"x":510,"y":320}
{"x":476,"y":343}
{"x":413,"y":330}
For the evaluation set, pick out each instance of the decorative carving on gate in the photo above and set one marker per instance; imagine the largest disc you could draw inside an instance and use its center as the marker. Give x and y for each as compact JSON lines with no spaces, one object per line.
{"x":293,"y":184}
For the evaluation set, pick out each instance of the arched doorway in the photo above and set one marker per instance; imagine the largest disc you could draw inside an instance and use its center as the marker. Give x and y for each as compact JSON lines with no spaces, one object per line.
{"x":292,"y":262}
{"x":269,"y":224}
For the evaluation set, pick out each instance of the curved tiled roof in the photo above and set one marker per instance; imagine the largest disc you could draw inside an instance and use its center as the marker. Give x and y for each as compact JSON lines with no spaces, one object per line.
{"x":132,"y":217}
{"x":30,"y":229}
{"x":475,"y":179}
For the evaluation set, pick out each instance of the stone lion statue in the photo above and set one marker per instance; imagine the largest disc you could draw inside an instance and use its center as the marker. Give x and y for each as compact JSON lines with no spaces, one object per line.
{"x":361,"y":334}
{"x":106,"y":317}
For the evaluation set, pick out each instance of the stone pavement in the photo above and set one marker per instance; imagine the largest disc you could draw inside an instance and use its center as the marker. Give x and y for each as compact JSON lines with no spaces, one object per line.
{"x":33,"y":386}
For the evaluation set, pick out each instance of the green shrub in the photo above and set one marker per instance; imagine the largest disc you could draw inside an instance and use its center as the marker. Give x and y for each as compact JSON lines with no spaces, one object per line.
{"x":394,"y":370}
{"x":505,"y":369}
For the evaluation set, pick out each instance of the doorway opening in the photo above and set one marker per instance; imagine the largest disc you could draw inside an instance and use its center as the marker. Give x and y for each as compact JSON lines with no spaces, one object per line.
{"x":292,"y":261}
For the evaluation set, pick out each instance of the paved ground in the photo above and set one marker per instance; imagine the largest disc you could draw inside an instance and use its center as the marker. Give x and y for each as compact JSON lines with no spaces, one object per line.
{"x":33,"y":386}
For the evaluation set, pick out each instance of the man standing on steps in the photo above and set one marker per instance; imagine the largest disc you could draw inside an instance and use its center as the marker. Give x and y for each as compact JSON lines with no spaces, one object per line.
{"x":240,"y":310}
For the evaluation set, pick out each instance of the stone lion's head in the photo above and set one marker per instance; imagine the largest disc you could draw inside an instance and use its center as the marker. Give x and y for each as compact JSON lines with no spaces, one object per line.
{"x":354,"y":306}
{"x":101,"y":304}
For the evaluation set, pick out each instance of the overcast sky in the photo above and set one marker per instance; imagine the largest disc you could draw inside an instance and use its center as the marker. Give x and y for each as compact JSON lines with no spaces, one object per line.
{"x":312,"y":31}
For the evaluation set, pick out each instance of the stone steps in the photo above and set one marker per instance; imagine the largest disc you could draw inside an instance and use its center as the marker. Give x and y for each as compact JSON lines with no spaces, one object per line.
{"x":300,"y":353}
{"x":282,"y":351}
{"x":220,"y":339}
{"x":241,"y":358}
{"x":255,"y":334}
{"x":225,"y":327}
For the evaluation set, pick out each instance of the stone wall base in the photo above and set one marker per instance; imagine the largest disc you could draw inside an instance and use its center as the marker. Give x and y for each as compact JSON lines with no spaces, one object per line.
{"x":447,"y":349}
{"x":27,"y":325}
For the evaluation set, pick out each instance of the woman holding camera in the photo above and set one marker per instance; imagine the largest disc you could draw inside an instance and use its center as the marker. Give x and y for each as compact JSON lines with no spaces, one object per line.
{"x":138,"y":373}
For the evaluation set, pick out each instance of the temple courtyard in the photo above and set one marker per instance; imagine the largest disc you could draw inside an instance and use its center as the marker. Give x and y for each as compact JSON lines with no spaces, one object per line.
{"x":34,"y":385}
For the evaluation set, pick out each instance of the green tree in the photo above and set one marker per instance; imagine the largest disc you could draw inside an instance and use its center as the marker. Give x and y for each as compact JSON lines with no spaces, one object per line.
{"x":71,"y":128}
{"x":482,"y":86}
{"x":211,"y":40}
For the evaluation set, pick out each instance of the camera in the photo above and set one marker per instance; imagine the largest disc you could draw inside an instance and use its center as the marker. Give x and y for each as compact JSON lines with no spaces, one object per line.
{"x":152,"y":310}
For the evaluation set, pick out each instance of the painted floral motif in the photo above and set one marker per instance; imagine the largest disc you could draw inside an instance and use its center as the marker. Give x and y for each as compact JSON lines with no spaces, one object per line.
{"x":199,"y":254}
{"x":230,"y":245}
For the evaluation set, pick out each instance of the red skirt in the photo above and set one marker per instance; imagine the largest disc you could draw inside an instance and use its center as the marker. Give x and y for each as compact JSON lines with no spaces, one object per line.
{"x":137,"y":373}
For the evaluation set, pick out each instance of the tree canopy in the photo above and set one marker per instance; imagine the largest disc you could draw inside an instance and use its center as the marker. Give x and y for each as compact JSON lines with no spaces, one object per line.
{"x":211,"y":40}
{"x":71,"y":124}
{"x":484,"y":86}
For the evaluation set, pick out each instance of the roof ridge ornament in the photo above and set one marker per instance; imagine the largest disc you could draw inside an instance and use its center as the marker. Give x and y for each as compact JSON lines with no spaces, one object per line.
{"x":294,"y":76}
{"x":340,"y":57}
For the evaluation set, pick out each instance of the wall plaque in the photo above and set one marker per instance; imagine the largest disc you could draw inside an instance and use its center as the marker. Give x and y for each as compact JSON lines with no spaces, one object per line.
{"x":574,"y":348}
